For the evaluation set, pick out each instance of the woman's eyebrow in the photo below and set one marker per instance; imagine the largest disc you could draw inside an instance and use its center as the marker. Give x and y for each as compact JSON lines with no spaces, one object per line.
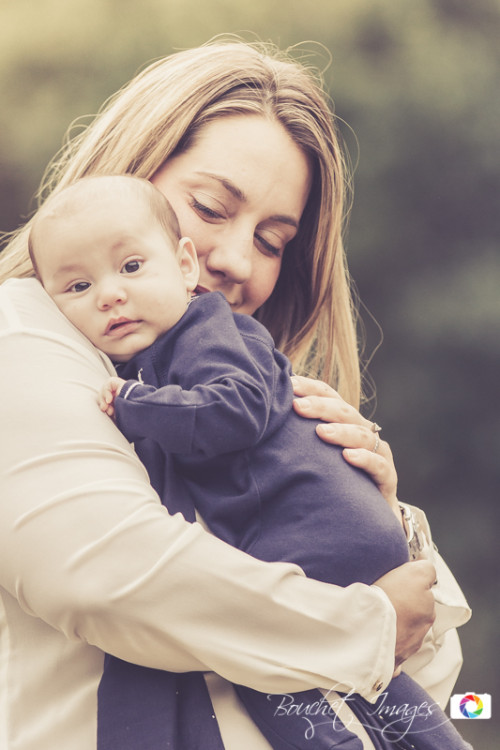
{"x":240,"y":195}
{"x":283,"y":219}
{"x":227,"y":184}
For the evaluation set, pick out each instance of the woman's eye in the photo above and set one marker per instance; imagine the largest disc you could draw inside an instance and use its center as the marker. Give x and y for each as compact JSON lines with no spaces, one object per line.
{"x":131,"y":266}
{"x":205,"y":211}
{"x":268,"y":247}
{"x":80,"y":286}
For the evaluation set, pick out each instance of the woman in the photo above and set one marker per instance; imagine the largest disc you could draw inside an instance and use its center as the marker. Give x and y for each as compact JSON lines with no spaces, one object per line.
{"x":77,"y":510}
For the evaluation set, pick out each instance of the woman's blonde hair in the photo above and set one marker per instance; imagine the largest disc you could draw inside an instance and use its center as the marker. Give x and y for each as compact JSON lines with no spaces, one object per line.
{"x":159,"y":113}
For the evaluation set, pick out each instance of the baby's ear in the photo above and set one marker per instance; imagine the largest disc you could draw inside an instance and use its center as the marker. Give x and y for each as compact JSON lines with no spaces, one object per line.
{"x":188,"y":262}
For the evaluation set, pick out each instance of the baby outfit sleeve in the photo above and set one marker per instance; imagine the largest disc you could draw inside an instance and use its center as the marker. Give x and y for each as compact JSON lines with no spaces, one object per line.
{"x":220,"y":392}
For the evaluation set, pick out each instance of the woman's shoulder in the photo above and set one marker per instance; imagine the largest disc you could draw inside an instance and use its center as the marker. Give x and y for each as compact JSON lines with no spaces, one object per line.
{"x":24,"y":304}
{"x":26,"y":308}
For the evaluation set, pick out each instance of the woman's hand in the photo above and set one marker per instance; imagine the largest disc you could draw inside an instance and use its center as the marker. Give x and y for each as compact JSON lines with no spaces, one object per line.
{"x":345,"y":426}
{"x":409,"y":588}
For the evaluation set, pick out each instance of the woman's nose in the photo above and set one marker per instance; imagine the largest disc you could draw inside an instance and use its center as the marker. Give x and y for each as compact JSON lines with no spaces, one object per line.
{"x":232,"y":259}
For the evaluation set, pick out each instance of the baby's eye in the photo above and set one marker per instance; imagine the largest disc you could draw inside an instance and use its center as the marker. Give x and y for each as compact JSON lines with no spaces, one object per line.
{"x":80,"y":286}
{"x":132,"y":266}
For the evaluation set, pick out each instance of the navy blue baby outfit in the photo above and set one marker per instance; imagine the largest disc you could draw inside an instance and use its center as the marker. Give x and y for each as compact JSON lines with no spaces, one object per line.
{"x":212,"y":421}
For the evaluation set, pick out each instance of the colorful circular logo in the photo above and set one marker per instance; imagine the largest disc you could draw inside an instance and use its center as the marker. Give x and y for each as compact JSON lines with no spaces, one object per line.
{"x":471,"y":706}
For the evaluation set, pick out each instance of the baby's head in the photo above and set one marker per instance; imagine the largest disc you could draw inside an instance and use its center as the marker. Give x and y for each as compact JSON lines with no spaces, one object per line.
{"x":108,"y":250}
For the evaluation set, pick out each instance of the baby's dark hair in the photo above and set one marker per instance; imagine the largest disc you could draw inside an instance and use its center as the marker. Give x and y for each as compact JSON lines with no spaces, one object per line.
{"x":63,"y":202}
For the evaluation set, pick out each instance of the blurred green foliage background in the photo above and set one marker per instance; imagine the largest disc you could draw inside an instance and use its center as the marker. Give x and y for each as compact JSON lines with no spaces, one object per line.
{"x":415,"y":84}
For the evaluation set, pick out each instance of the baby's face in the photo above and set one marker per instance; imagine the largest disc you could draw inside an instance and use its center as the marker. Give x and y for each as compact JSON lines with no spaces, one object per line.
{"x":112,"y":271}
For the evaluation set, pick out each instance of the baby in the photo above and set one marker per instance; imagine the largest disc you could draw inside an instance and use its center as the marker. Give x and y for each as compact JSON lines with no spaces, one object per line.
{"x":108,"y":251}
{"x":207,"y":398}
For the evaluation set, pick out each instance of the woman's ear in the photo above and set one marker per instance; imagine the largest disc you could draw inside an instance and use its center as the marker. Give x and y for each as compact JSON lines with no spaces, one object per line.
{"x":188,"y":262}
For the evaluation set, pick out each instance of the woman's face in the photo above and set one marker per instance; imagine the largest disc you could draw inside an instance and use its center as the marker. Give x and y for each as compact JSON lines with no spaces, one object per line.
{"x":239,"y":193}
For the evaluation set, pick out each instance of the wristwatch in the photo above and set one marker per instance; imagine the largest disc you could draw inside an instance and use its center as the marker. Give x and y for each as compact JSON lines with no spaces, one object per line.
{"x":414,"y":533}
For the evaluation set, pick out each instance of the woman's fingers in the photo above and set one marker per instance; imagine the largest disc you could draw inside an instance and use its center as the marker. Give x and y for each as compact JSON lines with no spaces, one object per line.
{"x":317,"y":399}
{"x":329,"y":409}
{"x":343,"y":425}
{"x":409,"y":589}
{"x":361,"y":442}
{"x":358,"y":443}
{"x":309,"y":387}
{"x":382,"y":471}
{"x":352,"y":435}
{"x":380,"y":468}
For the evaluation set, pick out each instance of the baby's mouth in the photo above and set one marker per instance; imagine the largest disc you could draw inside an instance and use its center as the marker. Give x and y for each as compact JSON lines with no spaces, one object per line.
{"x":117,"y":324}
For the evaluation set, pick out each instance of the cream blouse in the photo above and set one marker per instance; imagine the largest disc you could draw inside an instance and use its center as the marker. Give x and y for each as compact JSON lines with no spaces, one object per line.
{"x":91,"y":562}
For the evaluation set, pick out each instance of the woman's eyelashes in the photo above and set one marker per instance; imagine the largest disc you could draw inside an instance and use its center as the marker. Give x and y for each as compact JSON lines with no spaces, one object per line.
{"x":212,"y":215}
{"x":268,"y":247}
{"x":207,"y":213}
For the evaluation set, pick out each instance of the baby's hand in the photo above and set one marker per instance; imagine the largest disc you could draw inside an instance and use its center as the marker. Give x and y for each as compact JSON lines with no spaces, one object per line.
{"x":109,"y":392}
